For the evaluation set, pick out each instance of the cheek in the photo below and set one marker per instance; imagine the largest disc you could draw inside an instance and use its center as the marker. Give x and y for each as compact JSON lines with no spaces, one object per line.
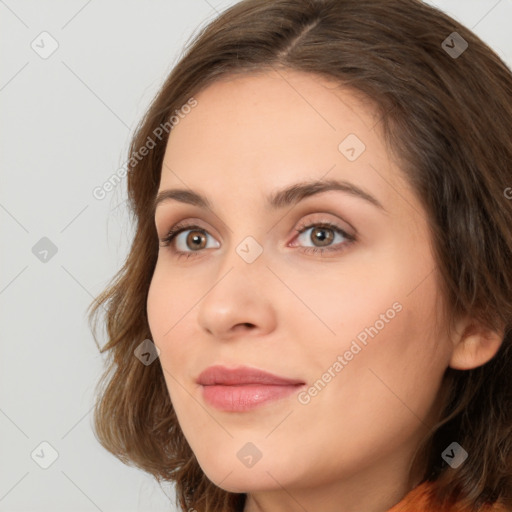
{"x":169,"y":300}
{"x":382,"y":396}
{"x":172,"y":306}
{"x":168,"y":304}
{"x":383,"y":331}
{"x":349,"y":295}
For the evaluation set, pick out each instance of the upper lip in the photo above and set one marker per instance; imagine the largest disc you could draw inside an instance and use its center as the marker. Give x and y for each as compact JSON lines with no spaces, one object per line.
{"x":240,"y":375}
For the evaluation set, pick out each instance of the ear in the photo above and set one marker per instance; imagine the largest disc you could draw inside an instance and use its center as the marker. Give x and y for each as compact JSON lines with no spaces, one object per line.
{"x":475,"y":346}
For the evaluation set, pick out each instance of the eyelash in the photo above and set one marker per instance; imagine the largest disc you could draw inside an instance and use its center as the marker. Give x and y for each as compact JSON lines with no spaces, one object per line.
{"x":179,"y":228}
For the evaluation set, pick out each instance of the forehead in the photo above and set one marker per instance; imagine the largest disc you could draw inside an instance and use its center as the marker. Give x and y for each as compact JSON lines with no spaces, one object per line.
{"x":261,"y":103}
{"x":268,"y":129}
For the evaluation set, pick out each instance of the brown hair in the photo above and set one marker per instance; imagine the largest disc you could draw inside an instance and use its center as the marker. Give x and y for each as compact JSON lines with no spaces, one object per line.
{"x":448,"y":120}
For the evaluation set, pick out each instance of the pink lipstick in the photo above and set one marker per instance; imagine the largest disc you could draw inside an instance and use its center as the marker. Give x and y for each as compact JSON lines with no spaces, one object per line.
{"x":243,"y":388}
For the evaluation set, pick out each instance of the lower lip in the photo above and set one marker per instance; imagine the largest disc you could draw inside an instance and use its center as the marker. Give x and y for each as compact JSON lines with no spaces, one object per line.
{"x":245,"y":397}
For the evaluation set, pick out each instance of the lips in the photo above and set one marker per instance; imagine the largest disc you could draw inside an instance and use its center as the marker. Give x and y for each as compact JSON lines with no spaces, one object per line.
{"x":242,"y":375}
{"x":243,"y":388}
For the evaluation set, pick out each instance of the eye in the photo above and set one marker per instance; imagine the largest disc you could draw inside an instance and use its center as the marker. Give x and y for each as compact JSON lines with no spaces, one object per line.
{"x":196,"y":238}
{"x":191,"y":244}
{"x":324,"y":233}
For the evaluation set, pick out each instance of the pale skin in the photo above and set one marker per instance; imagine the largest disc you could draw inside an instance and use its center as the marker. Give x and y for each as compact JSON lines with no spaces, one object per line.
{"x":293,"y":313}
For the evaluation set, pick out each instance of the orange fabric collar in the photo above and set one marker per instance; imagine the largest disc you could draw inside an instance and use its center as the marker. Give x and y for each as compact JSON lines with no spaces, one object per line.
{"x":419,"y":499}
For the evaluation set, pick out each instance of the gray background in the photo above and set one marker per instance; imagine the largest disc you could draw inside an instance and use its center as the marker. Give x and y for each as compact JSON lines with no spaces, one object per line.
{"x":66,"y":125}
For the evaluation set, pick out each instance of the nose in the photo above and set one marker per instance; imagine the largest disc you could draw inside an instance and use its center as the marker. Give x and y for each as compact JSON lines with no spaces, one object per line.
{"x":239,"y":302}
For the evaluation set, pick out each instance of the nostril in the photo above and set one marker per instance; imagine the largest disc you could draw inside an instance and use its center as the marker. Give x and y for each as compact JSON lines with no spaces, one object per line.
{"x":243,"y":326}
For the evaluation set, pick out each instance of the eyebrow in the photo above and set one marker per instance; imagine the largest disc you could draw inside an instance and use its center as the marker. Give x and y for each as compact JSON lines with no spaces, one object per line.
{"x":279,"y":199}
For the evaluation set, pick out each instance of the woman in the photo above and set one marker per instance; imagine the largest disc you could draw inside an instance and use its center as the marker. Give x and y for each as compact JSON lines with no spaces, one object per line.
{"x":315,"y":312}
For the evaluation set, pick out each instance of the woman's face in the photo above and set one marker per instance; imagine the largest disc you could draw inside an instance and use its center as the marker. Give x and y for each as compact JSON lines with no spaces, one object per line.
{"x":351,"y":328}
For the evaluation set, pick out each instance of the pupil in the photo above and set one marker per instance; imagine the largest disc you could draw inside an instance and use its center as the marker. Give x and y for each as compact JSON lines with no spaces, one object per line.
{"x":320,"y":235}
{"x":196,"y":239}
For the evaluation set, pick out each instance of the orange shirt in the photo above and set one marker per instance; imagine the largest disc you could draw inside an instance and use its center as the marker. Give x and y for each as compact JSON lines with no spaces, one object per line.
{"x":418,"y":499}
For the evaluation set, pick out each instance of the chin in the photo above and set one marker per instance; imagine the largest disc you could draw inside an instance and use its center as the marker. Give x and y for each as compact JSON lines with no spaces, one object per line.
{"x":233,"y":476}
